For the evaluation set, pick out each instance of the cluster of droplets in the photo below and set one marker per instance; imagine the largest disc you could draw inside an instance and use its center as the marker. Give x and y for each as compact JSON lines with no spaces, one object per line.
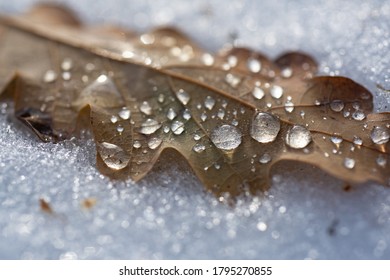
{"x":50,"y":76}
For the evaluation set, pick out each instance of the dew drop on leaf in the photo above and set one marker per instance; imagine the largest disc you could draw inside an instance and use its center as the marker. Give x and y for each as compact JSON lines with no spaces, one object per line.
{"x":337,"y":105}
{"x":120,"y":128}
{"x":298,"y":137}
{"x":258,"y":93}
{"x":336,"y":139}
{"x":183,"y":96}
{"x":171,"y":114}
{"x":265,"y":158}
{"x":381,"y":160}
{"x":207,"y":59}
{"x":232,"y":80}
{"x":358,"y":115}
{"x":349,"y":163}
{"x":254,"y":65}
{"x":265,"y":127}
{"x":137,"y":144}
{"x":286,"y":72}
{"x":209,"y":102}
{"x":50,"y":76}
{"x":67,"y":64}
{"x":380,"y":135}
{"x":177,"y":127}
{"x":154,"y":143}
{"x":226,"y":137}
{"x":198,"y":148}
{"x":146,"y":108}
{"x":113,"y":156}
{"x":276,"y":91}
{"x":186,"y":114}
{"x":149,"y":126}
{"x":124,"y":113}
{"x":114,"y":119}
{"x":289,"y":106}
{"x":357,"y":141}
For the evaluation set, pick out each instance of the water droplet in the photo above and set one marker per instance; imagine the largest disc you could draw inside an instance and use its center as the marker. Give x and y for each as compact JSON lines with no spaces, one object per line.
{"x":336,"y":139}
{"x":226,"y":137}
{"x":149,"y":126}
{"x":120,"y":128}
{"x":232,"y":80}
{"x":217,"y":166}
{"x":66,"y":76}
{"x":50,"y":76}
{"x":207,"y":59}
{"x":154,"y":143}
{"x":198,"y":148}
{"x":146,"y":108}
{"x":254,"y":65}
{"x":337,"y":105}
{"x":147,"y":39}
{"x":289,"y":106}
{"x":221,"y":114}
{"x":137,"y":144}
{"x":258,"y":93}
{"x":127,"y":54}
{"x":265,"y":127}
{"x":186,"y":114}
{"x":166,"y":129}
{"x":67,"y":64}
{"x":161,"y":98}
{"x":346,"y":114}
{"x":203,"y":117}
{"x":302,"y":114}
{"x":357,"y":141}
{"x":183,"y":96}
{"x":114,"y":119}
{"x":89,"y":67}
{"x":177,"y":127}
{"x":124,"y":113}
{"x":381,"y":160}
{"x":102,"y":79}
{"x":209,"y":102}
{"x":262,"y":226}
{"x":317,"y":102}
{"x":265,"y":158}
{"x":298,"y":137}
{"x":113,"y":156}
{"x":197,"y":137}
{"x":171,"y":114}
{"x":276,"y":91}
{"x":380,"y":135}
{"x":358,"y":115}
{"x":235,"y":122}
{"x":232,"y":60}
{"x":349,"y":163}
{"x":286,"y":72}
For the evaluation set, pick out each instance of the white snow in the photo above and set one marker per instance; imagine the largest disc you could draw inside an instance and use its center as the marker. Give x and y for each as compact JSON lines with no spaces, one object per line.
{"x":306,"y":213}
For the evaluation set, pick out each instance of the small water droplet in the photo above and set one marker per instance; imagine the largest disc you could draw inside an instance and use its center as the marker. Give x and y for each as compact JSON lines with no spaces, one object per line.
{"x":258,"y":93}
{"x":336,"y":139}
{"x":232,"y":60}
{"x":346,"y":114}
{"x":50,"y":76}
{"x":349,"y":163}
{"x":265,"y":158}
{"x":183,"y":96}
{"x":113,"y":156}
{"x":226,"y":137}
{"x":380,"y":135}
{"x":337,"y":105}
{"x":137,"y":144}
{"x":302,"y":114}
{"x":171,"y":114}
{"x":298,"y":137}
{"x":154,"y":143}
{"x":217,"y":166}
{"x":177,"y":127}
{"x":166,"y":129}
{"x":235,"y":122}
{"x":161,"y":98}
{"x":317,"y":102}
{"x":66,"y":76}
{"x":149,"y":126}
{"x":265,"y":127}
{"x":147,"y":39}
{"x":114,"y":119}
{"x":289,"y":106}
{"x":198,"y":148}
{"x":186,"y":114}
{"x":207,"y":59}
{"x":124,"y":113}
{"x":358,"y":115}
{"x":66,"y":64}
{"x":276,"y":91}
{"x":254,"y":65}
{"x":203,"y":117}
{"x":120,"y":128}
{"x":232,"y":80}
{"x":102,"y":79}
{"x":197,"y":137}
{"x":261,"y":226}
{"x":146,"y":108}
{"x":286,"y":72}
{"x":127,"y":54}
{"x":89,"y":67}
{"x":381,"y":160}
{"x":209,"y":102}
{"x":357,"y":141}
{"x":221,"y":114}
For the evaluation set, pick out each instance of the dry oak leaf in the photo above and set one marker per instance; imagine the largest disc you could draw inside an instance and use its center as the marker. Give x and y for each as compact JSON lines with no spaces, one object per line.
{"x":232,"y":115}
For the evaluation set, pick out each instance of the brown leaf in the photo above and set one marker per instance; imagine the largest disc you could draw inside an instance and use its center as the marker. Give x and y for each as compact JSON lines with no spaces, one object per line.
{"x":232,"y":116}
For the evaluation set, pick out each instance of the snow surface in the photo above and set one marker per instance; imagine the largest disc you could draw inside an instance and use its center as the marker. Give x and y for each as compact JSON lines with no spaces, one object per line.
{"x":306,"y":213}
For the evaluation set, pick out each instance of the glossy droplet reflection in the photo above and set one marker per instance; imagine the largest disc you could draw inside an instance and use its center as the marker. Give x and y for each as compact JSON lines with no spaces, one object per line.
{"x":226,"y":137}
{"x":349,"y":163}
{"x":113,"y":156}
{"x":154,"y":143}
{"x":276,"y":91}
{"x":265,"y":158}
{"x":258,"y":93}
{"x":337,"y":105}
{"x":298,"y":137}
{"x":380,"y":135}
{"x":265,"y":127}
{"x":183,"y":96}
{"x":124,"y":113}
{"x":149,"y":126}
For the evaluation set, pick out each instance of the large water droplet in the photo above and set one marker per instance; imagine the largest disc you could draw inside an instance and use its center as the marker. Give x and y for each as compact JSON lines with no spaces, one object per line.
{"x":50,"y":76}
{"x":183,"y":96}
{"x":177,"y":127}
{"x":265,"y":158}
{"x":380,"y":135}
{"x":113,"y":156}
{"x":171,"y":114}
{"x":198,"y":148}
{"x":358,"y":115}
{"x":254,"y":65}
{"x":337,"y":105}
{"x":149,"y":126}
{"x":154,"y":143}
{"x":265,"y":127}
{"x":209,"y":102}
{"x":226,"y":137}
{"x":349,"y":163}
{"x":276,"y":91}
{"x":258,"y":93}
{"x":124,"y":113}
{"x":146,"y":108}
{"x":298,"y":137}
